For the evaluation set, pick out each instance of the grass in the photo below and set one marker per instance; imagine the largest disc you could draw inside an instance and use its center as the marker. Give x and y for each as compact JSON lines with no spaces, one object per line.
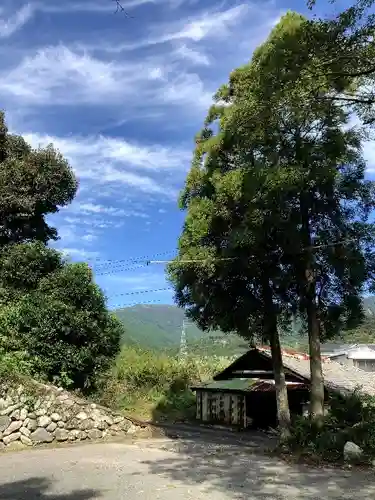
{"x":154,"y":386}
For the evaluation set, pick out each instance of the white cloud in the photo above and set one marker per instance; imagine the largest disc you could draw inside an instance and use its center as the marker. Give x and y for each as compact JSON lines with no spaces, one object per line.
{"x":79,"y":253}
{"x":89,"y":237}
{"x":98,"y":209}
{"x":98,"y":6}
{"x":70,"y":233}
{"x":45,"y":77}
{"x":59,"y":76}
{"x":113,"y":160}
{"x":207,"y":24}
{"x":192,"y":55}
{"x":67,"y":233}
{"x":15,"y":21}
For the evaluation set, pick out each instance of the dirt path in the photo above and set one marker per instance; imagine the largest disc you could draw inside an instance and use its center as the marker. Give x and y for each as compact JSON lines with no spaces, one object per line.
{"x":188,"y":468}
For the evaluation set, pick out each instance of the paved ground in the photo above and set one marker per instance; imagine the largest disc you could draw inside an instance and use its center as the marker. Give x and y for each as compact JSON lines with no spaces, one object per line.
{"x":189,"y":468}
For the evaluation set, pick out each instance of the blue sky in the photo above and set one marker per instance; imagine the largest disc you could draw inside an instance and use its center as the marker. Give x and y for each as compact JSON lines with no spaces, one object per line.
{"x":122,"y":98}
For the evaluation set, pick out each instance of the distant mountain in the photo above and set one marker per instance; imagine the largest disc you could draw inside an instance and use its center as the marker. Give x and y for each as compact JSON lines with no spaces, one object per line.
{"x":159,"y":327}
{"x":369,"y":305}
{"x":155,"y":326}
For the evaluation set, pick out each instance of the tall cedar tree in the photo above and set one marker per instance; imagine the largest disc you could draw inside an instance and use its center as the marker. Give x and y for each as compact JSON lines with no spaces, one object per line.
{"x":337,"y":55}
{"x":33,"y":184}
{"x":307,"y":173}
{"x":235,"y":287}
{"x":321,"y":170}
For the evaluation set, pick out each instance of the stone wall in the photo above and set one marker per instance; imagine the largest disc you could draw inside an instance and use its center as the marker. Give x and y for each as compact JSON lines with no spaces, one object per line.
{"x":32,"y":414}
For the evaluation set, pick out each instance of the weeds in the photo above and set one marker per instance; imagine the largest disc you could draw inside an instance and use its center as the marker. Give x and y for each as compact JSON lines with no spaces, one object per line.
{"x":351,"y":418}
{"x":154,"y":386}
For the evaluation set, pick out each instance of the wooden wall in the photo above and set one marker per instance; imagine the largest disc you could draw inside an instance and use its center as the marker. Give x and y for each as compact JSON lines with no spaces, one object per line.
{"x":221,"y":408}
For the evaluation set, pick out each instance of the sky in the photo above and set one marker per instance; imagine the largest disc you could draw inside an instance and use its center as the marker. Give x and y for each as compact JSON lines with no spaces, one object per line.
{"x":122,"y":95}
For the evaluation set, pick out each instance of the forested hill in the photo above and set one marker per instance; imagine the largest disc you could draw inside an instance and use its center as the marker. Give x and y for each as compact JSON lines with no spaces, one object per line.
{"x":158,"y":326}
{"x":155,"y":326}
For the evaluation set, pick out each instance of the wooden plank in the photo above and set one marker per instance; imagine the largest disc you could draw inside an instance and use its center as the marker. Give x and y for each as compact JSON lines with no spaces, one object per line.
{"x":227,"y":408}
{"x":205,"y":407}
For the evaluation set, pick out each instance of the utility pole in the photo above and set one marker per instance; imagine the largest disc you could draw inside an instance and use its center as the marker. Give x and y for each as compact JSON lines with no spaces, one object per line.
{"x":183,"y":345}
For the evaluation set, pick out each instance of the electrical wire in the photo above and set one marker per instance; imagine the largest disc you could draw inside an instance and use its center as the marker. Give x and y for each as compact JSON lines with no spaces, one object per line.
{"x":129,"y":260}
{"x":129,"y":304}
{"x":184,"y":261}
{"x":151,"y":259}
{"x":119,"y":270}
{"x":145,"y":261}
{"x":140,"y":292}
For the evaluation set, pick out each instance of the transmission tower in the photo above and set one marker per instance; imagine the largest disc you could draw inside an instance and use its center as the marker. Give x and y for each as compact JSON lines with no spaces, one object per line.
{"x":183,"y":344}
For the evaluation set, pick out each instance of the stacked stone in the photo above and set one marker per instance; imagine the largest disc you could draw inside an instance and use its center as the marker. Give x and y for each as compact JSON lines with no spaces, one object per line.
{"x":52,"y":414}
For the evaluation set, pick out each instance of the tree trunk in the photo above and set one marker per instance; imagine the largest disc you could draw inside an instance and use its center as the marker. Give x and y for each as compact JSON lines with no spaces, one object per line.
{"x":282,"y":402}
{"x":272,"y":335}
{"x":316,"y":372}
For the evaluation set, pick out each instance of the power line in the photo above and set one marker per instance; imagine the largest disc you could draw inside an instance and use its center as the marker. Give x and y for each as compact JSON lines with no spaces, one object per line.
{"x":147,"y":261}
{"x":140,"y":292}
{"x":119,"y":270}
{"x":129,"y":260}
{"x":129,"y":304}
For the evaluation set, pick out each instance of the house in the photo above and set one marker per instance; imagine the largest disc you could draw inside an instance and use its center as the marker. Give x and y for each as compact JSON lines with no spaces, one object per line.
{"x":361,"y":356}
{"x":243,"y":395}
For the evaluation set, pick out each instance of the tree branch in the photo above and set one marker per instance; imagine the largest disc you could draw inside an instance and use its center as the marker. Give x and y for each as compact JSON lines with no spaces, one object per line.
{"x":120,"y":8}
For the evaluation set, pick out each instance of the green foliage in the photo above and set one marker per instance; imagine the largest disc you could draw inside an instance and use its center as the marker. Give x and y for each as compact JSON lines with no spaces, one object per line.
{"x":335,"y":54}
{"x":153,"y":385}
{"x":351,"y":418}
{"x":363,"y":333}
{"x":14,"y":364}
{"x":57,"y":315}
{"x":154,"y":326}
{"x":33,"y":184}
{"x":54,"y":323}
{"x":22,"y":266}
{"x":159,"y":327}
{"x":280,"y":174}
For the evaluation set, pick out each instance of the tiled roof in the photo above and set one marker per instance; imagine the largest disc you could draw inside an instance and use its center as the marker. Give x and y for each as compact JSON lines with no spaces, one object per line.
{"x":336,"y":376}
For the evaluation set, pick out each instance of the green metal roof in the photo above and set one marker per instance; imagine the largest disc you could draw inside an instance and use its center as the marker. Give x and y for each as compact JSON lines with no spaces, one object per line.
{"x":236,"y":384}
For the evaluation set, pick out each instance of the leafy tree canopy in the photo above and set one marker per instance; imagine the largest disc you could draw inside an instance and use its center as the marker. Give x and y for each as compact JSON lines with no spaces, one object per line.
{"x":57,"y":315}
{"x":278,"y":206}
{"x":243,"y":199}
{"x":33,"y":184}
{"x":335,"y":54}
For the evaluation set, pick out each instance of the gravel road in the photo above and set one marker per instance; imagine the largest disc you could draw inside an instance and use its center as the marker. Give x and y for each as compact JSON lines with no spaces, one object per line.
{"x":166,"y":469}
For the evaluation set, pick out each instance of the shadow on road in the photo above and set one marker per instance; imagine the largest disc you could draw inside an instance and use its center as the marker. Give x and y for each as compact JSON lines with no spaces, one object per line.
{"x":241,"y":470}
{"x":38,"y":488}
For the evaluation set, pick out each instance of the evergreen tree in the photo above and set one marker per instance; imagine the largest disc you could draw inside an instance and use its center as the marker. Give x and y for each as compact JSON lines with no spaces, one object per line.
{"x":33,"y":184}
{"x":53,"y":312}
{"x":280,"y":189}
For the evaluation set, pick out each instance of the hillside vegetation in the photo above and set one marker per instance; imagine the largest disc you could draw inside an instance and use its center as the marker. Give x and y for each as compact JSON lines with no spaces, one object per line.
{"x":154,"y":326}
{"x":154,"y":386}
{"x":159,"y":327}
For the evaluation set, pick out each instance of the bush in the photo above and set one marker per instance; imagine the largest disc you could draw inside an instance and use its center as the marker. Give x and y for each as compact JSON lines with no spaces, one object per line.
{"x":59,"y":318}
{"x":14,"y":364}
{"x":351,"y":418}
{"x":154,"y":385}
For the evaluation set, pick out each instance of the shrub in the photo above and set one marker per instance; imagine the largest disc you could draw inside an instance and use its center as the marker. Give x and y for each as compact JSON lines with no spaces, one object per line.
{"x":14,"y":364}
{"x":64,"y":326}
{"x":351,"y":418}
{"x":153,"y":384}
